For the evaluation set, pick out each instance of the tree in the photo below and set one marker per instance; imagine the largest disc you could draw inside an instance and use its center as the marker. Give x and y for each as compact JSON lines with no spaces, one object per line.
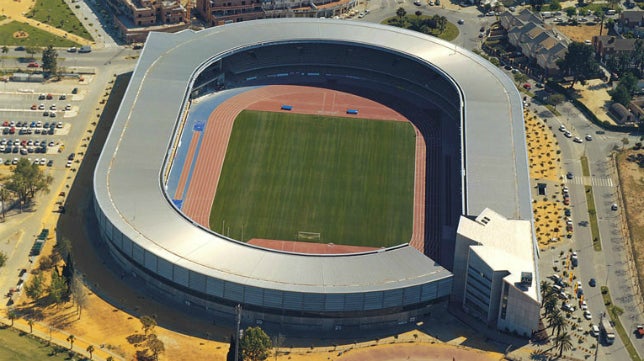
{"x":156,"y":346}
{"x":109,"y":358}
{"x":27,"y":179}
{"x":35,"y":287}
{"x":520,"y":78}
{"x":64,"y":247}
{"x":5,"y":50}
{"x":550,"y":304}
{"x":401,"y":12}
{"x":555,"y":5}
{"x":5,"y":196}
{"x":3,"y":258}
{"x":90,"y":350}
{"x":68,"y":268}
{"x":620,"y":95}
{"x":148,"y":323}
{"x":12,"y":314}
{"x":79,"y":295}
{"x":579,"y":62}
{"x":71,"y":339}
{"x":557,"y":322}
{"x":563,"y":342}
{"x":57,"y":288}
{"x":255,"y":345}
{"x":32,"y":50}
{"x":556,"y":99}
{"x":50,"y":60}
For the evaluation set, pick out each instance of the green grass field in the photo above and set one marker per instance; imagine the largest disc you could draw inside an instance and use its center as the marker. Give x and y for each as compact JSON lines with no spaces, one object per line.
{"x":22,"y":347}
{"x":37,"y":37}
{"x":57,"y":14}
{"x":351,"y":180}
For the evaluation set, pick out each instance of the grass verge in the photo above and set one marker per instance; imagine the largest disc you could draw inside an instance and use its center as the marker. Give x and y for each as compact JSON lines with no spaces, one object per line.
{"x":592,"y":215}
{"x":19,"y":346}
{"x":351,"y":180}
{"x":412,"y":22}
{"x":36,"y":38}
{"x":592,"y":211}
{"x":57,"y":14}
{"x":614,"y":312}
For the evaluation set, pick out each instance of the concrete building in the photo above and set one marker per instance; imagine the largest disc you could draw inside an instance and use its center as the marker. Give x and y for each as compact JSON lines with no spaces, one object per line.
{"x":136,"y":18}
{"x":219,"y":12}
{"x":495,"y":272}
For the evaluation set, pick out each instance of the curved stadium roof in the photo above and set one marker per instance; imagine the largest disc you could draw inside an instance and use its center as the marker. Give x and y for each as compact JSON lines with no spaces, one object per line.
{"x":128,"y":177}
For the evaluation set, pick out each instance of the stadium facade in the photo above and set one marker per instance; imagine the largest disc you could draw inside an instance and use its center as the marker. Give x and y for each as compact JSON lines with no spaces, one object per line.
{"x":469,"y":113}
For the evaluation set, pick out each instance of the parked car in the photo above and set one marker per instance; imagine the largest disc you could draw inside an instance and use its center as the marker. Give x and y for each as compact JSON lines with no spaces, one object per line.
{"x":569,"y":175}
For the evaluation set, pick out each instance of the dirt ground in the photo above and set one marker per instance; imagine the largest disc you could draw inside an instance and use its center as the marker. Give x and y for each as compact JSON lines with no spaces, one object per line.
{"x":545,"y":167}
{"x":581,"y":32}
{"x":632,"y":182}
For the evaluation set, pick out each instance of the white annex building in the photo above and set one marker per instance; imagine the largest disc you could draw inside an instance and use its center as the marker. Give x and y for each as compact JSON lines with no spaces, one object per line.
{"x":494,"y":268}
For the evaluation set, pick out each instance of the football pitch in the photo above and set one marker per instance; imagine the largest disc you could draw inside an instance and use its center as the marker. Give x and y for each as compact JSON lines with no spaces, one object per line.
{"x":287,"y":175}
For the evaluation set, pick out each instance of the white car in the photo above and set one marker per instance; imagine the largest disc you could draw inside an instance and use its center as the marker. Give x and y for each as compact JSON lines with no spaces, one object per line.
{"x":68,"y":107}
{"x":577,"y":140}
{"x":59,"y":125}
{"x":583,"y":306}
{"x":589,"y":137}
{"x":588,"y":315}
{"x":68,"y":164}
{"x":594,"y":330}
{"x":568,"y":134}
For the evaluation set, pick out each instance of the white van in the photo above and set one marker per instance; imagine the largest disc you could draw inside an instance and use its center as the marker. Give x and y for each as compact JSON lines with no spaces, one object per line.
{"x":546,"y":14}
{"x":611,"y":12}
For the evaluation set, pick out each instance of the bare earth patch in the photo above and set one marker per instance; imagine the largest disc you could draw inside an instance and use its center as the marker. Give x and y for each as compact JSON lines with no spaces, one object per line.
{"x":631,"y":177}
{"x":579,"y":33}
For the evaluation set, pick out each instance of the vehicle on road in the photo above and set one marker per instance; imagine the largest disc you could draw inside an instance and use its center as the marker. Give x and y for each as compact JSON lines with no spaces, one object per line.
{"x":85,"y":49}
{"x":589,"y":137}
{"x":592,"y":282}
{"x":613,"y":207}
{"x":639,"y":331}
{"x":569,"y":175}
{"x":607,"y":330}
{"x":588,"y":315}
{"x":594,"y":330}
{"x":461,"y":21}
{"x":567,"y":134}
{"x":577,"y":140}
{"x":73,"y":49}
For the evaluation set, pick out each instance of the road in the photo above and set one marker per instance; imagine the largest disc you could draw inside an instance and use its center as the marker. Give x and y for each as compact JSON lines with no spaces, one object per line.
{"x":608,"y":267}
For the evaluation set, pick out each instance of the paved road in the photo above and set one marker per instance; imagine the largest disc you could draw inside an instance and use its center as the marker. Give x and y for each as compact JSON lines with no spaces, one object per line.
{"x":609,"y":266}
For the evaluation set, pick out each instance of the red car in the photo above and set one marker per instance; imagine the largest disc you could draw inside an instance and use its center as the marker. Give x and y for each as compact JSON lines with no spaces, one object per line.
{"x":5,"y":123}
{"x":34,"y":107}
{"x":33,"y":64}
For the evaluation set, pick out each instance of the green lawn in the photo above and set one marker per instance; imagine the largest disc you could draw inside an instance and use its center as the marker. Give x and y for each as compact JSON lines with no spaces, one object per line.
{"x":37,"y":37}
{"x":351,"y":180}
{"x":57,"y":14}
{"x":15,"y":346}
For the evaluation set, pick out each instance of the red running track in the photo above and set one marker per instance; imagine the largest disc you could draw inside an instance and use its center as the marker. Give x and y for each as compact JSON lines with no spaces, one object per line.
{"x":304,"y":100}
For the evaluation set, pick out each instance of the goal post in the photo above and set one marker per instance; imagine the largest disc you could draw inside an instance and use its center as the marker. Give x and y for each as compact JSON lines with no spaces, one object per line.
{"x":308,"y":236}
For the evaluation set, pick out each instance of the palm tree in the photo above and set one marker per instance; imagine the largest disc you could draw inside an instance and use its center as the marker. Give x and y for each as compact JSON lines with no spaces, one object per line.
{"x":71,"y":339}
{"x":546,"y":289}
{"x":556,"y":321}
{"x":90,"y":349}
{"x":563,"y":342}
{"x":551,"y":304}
{"x":30,"y":322}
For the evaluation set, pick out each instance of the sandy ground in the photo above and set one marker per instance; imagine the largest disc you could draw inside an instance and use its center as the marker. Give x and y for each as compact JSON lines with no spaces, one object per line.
{"x":545,"y":167}
{"x":632,"y":182}
{"x":594,"y":95}
{"x":15,"y":10}
{"x":581,"y":32}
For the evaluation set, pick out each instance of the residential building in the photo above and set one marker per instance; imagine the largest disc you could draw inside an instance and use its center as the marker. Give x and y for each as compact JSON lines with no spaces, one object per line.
{"x":219,"y":12}
{"x":631,"y":21}
{"x":495,"y":272}
{"x":608,"y":46}
{"x":136,"y":18}
{"x":526,"y":32}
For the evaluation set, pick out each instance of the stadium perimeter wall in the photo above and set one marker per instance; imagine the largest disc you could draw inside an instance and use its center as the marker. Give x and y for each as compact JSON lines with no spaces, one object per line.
{"x":210,"y":272}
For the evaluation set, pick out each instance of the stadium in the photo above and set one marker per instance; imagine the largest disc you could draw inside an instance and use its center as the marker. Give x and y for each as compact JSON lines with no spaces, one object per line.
{"x":466,"y":112}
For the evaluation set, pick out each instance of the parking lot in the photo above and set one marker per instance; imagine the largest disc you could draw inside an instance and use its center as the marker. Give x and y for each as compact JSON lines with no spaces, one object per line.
{"x":35,"y":122}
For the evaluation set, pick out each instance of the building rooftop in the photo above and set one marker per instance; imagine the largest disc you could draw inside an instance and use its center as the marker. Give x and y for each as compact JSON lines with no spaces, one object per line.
{"x":504,"y":244}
